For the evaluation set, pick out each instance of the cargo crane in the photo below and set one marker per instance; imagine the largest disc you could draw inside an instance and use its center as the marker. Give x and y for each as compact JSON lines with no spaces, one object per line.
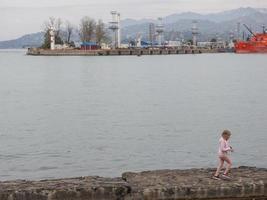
{"x":249,"y":30}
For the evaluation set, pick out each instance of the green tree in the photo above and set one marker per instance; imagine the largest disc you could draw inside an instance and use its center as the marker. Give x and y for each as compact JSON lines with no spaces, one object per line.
{"x":213,"y":40}
{"x":46,"y":43}
{"x":190,"y":41}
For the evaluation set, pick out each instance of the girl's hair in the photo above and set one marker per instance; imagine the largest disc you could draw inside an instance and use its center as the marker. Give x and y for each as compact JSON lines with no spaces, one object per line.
{"x":226,"y":132}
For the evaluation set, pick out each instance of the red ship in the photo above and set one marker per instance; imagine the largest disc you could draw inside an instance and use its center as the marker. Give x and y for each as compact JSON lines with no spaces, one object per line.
{"x":256,"y":44}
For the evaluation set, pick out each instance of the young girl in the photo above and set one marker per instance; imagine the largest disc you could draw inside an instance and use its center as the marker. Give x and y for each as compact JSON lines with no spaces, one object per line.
{"x":224,"y":148}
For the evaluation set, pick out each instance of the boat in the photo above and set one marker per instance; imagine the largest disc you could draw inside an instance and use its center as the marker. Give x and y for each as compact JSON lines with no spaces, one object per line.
{"x":257,"y":43}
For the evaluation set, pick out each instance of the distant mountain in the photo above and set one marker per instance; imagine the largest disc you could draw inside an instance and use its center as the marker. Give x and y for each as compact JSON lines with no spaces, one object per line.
{"x":177,"y":26}
{"x":209,"y":25}
{"x":180,"y":16}
{"x":214,"y":17}
{"x":130,"y":22}
{"x":263,"y":10}
{"x":29,"y":40}
{"x":234,"y":14}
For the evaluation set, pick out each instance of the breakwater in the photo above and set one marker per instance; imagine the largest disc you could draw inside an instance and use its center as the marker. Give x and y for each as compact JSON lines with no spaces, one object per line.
{"x":248,"y":183}
{"x":119,"y":52}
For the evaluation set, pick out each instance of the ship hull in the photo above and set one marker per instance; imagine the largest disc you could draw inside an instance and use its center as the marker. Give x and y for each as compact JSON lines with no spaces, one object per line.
{"x":257,"y":44}
{"x":247,"y":47}
{"x":251,"y":50}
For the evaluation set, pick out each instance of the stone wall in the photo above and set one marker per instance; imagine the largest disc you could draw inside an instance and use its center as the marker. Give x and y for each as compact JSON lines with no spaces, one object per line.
{"x":117,"y":52}
{"x":248,"y":183}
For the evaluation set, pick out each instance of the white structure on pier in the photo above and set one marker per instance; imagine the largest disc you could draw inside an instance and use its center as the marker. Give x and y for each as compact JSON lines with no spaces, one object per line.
{"x":194,"y":32}
{"x":139,"y":40}
{"x":160,"y":31}
{"x":52,"y":38}
{"x":114,"y":25}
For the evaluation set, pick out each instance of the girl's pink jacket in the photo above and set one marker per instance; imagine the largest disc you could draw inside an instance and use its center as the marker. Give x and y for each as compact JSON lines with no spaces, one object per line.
{"x":224,"y":147}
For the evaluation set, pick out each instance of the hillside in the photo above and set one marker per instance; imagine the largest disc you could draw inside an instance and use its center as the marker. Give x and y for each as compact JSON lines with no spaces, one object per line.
{"x":29,"y":40}
{"x":210,"y":25}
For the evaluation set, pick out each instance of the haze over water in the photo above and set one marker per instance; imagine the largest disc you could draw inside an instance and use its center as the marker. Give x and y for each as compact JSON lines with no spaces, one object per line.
{"x":78,"y":116}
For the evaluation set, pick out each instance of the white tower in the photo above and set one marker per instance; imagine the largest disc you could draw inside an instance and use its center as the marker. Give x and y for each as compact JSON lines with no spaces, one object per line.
{"x":52,"y":38}
{"x":114,"y":25}
{"x":194,"y":32}
{"x":231,"y":41}
{"x":119,"y":29}
{"x":160,"y":31}
{"x":138,"y":41}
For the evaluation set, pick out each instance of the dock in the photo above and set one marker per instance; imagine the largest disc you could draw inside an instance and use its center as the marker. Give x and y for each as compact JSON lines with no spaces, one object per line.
{"x":120,"y":52}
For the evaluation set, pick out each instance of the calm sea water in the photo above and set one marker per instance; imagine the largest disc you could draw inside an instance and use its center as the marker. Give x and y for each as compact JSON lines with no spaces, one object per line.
{"x":77,"y":116}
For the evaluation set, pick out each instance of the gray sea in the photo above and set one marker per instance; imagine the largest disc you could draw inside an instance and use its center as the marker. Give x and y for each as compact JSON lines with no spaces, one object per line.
{"x":78,"y":116}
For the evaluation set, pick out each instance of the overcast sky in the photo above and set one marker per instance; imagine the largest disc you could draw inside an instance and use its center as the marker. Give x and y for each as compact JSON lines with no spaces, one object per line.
{"x":26,"y":16}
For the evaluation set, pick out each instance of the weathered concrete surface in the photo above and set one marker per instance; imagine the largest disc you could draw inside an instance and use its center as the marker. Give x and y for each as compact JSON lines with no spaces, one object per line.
{"x":248,"y":183}
{"x":83,"y":188}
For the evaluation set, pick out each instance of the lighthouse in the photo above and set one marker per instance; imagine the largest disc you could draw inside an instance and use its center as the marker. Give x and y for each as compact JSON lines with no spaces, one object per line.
{"x":52,"y":38}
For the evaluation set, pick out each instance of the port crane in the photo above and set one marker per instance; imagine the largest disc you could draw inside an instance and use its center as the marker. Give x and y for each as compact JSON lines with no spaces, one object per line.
{"x":249,"y":30}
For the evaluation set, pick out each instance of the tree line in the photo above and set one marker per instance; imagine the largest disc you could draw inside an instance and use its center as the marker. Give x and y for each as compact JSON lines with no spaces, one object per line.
{"x":89,"y":30}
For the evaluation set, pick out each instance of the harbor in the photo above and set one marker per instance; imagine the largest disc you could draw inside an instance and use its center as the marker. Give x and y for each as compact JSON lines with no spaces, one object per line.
{"x":107,"y":40}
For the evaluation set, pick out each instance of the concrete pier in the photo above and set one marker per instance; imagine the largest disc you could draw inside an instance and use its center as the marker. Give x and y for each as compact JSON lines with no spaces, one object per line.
{"x":248,"y":183}
{"x":119,"y":52}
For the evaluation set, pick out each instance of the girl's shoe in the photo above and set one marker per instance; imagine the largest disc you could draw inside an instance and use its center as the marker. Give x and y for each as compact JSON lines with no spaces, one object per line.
{"x":225,"y":176}
{"x":216,"y":177}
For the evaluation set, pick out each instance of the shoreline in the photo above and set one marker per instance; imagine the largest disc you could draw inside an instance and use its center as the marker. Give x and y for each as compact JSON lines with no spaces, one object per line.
{"x":247,"y":183}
